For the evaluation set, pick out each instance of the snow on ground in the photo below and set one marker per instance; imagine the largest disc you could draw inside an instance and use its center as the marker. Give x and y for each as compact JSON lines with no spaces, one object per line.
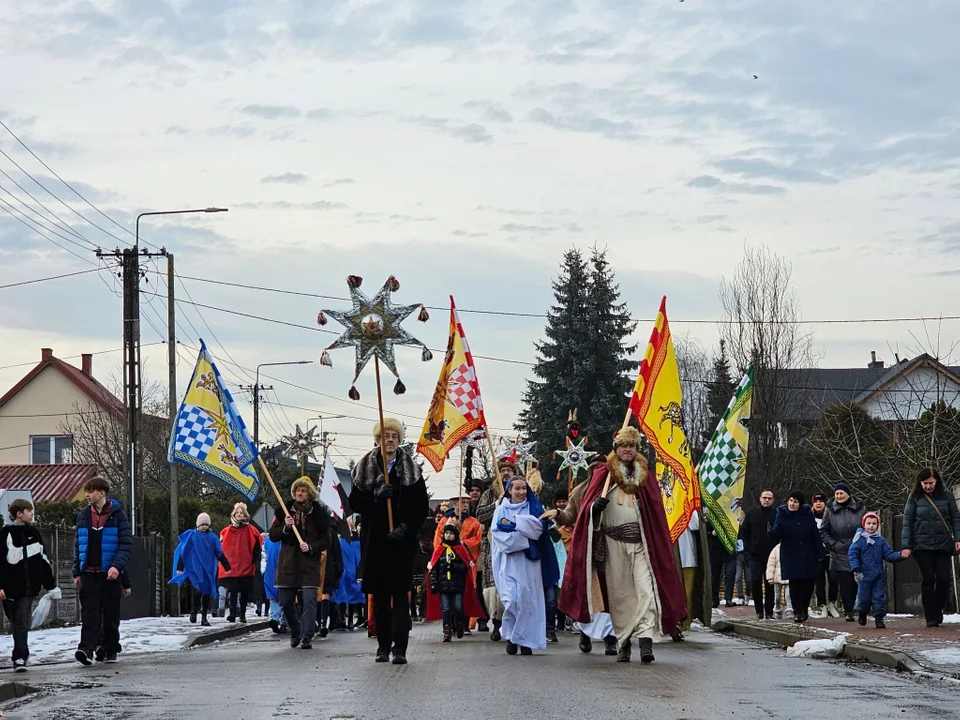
{"x":818,"y":648}
{"x":951,"y":619}
{"x":143,"y":635}
{"x":942,"y":656}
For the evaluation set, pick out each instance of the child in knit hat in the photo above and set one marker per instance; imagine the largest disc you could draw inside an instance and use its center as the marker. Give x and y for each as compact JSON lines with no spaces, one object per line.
{"x":867,"y":553}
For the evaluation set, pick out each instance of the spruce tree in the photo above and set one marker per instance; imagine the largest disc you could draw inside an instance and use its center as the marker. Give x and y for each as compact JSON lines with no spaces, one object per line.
{"x":719,"y":390}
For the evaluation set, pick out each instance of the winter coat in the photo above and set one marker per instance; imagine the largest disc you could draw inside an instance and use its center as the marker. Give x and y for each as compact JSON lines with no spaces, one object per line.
{"x":772,"y":573}
{"x":756,"y":532}
{"x":449,"y":573}
{"x":334,"y":568}
{"x":840,"y":525}
{"x":295,"y":568}
{"x":116,"y":542}
{"x":242,"y":548}
{"x":922,"y":527}
{"x":868,"y":559}
{"x":485,"y":509}
{"x":387,"y":564}
{"x":801,"y":548}
{"x":718,"y":552}
{"x":24,"y":566}
{"x":349,"y":590}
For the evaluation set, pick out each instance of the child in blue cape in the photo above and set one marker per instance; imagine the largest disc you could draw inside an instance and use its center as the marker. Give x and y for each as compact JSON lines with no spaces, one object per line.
{"x":195,"y":560}
{"x":867,"y":553}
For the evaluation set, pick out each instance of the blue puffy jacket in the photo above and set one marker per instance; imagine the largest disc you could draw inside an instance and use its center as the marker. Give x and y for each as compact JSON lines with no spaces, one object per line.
{"x":116,"y":542}
{"x":868,"y":559}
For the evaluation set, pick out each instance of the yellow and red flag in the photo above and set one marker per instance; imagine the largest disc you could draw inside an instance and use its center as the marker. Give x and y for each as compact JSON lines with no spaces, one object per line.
{"x":456,"y":409}
{"x":658,"y":404}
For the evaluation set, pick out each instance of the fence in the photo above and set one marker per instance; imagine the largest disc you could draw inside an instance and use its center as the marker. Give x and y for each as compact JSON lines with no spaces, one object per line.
{"x":903,"y":578}
{"x":146,"y":570}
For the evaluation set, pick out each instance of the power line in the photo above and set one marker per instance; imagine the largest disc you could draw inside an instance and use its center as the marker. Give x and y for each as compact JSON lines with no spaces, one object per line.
{"x":76,"y":357}
{"x":52,"y":277}
{"x":63,"y":224}
{"x":41,"y":233}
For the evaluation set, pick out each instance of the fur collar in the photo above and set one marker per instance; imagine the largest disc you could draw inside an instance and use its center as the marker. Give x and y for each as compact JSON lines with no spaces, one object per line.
{"x":367,"y":471}
{"x":617,"y":470}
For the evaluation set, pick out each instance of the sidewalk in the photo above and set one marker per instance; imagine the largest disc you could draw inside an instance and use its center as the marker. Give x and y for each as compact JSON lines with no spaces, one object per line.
{"x":935,"y":650}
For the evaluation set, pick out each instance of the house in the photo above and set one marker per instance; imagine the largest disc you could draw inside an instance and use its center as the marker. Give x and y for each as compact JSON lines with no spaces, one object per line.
{"x":34,"y":411}
{"x":49,"y":482}
{"x":899,"y":393}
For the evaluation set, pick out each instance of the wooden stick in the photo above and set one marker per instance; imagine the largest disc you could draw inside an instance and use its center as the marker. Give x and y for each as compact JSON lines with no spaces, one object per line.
{"x":276,"y":492}
{"x":460,"y":492}
{"x":498,"y":487}
{"x":626,"y":422}
{"x":383,"y":448}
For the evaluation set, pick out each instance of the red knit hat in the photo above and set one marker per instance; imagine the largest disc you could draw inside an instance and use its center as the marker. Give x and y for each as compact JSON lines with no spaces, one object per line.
{"x":863,"y":520}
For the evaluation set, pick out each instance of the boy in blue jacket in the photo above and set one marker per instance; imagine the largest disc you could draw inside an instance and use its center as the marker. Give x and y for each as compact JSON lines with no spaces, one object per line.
{"x":102,"y":548}
{"x":867,"y":553}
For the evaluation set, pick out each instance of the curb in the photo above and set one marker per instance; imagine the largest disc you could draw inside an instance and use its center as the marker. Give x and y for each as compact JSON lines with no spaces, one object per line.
{"x":853,"y":651}
{"x":227,"y":634}
{"x":14,"y":690}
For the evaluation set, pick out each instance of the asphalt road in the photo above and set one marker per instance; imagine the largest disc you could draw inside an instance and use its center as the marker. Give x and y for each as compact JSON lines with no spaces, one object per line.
{"x":710,"y":676}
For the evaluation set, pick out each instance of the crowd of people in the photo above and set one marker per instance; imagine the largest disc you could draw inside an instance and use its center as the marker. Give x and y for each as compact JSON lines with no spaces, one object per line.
{"x":599,"y":562}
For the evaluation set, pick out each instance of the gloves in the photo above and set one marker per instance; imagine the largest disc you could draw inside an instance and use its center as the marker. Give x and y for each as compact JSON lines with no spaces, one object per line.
{"x":858,"y":576}
{"x":399,"y":532}
{"x":383,"y":492}
{"x":435,"y":589}
{"x":555,"y":535}
{"x":600,"y":504}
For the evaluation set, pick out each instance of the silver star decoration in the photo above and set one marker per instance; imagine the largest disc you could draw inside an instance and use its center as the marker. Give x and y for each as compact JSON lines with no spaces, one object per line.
{"x":574,"y":457}
{"x":303,"y":444}
{"x":521,"y":453}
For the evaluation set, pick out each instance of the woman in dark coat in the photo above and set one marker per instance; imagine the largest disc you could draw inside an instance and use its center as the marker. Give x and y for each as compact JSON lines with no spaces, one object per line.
{"x":841,"y":521}
{"x":931,"y":533}
{"x":801,"y":551}
{"x":298,"y":566}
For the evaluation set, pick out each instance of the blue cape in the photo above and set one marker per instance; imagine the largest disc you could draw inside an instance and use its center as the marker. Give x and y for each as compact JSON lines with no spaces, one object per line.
{"x":349,"y":590}
{"x":272,"y":550}
{"x":201,"y":553}
{"x":542,"y":549}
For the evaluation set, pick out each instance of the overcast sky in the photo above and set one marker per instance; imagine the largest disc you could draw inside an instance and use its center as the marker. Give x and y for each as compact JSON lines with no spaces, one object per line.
{"x":462,"y":147}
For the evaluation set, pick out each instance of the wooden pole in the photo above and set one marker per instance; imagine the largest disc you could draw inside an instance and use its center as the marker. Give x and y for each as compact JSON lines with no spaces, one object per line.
{"x":276,"y":492}
{"x":498,"y":481}
{"x":626,"y":422}
{"x":383,"y":449}
{"x":460,"y":491}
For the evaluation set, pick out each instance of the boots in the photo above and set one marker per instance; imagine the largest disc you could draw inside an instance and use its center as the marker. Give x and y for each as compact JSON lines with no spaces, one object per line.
{"x":624,"y":654}
{"x":880,"y":623}
{"x":447,"y":632}
{"x":204,"y":621}
{"x":324,"y":616}
{"x":193,"y":617}
{"x":646,"y":650}
{"x":610,"y":645}
{"x":482,"y":626}
{"x":458,"y":624}
{"x":243,"y":615}
{"x":586,"y":644}
{"x":495,"y":635}
{"x":832,"y":610}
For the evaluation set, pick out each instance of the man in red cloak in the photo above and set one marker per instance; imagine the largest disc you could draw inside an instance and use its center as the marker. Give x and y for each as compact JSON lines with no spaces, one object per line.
{"x":621,"y":558}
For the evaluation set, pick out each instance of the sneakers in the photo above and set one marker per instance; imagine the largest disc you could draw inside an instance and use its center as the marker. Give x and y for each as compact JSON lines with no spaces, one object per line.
{"x":306,"y":644}
{"x":646,"y":650}
{"x":552,"y":637}
{"x":880,"y":623}
{"x":19,"y":666}
{"x":294,"y":642}
{"x":324,"y":632}
{"x":111,"y":658}
{"x":204,"y":621}
{"x":850,"y":618}
{"x":99,"y":654}
{"x":862,"y":619}
{"x":399,"y":657}
{"x":832,"y":610}
{"x":275,"y":626}
{"x":586,"y":644}
{"x":83,"y":657}
{"x":382,"y":656}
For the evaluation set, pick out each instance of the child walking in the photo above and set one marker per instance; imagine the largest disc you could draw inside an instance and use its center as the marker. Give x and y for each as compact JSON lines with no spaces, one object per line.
{"x":196,"y":558}
{"x":452,"y":587}
{"x":24,"y":569}
{"x":867,"y":553}
{"x":781,"y":587}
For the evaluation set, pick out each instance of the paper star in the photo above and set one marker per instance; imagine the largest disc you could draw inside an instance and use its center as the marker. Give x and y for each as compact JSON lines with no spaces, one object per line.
{"x":520,"y":453}
{"x":574,"y":457}
{"x":372,"y":327}
{"x":303,"y":444}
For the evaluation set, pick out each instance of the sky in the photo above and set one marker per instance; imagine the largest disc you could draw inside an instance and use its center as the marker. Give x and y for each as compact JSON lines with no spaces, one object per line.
{"x":463,"y":147}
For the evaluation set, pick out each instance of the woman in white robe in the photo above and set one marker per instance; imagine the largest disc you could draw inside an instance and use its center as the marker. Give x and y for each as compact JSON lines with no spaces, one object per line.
{"x":516,"y":567}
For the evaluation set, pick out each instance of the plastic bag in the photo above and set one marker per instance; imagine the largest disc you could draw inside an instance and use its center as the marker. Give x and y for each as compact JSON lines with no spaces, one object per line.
{"x":42,"y":611}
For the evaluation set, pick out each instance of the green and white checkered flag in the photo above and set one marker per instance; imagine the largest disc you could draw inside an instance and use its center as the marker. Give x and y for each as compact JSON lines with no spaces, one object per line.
{"x":723,"y":467}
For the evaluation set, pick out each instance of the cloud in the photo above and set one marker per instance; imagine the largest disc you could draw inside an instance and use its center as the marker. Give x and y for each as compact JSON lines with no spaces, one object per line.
{"x":339,"y":181}
{"x":489,"y":111}
{"x":540,"y":229}
{"x":176,"y":130}
{"x":286,"y":205}
{"x":470,"y":133}
{"x":235,"y":131}
{"x":710,"y":218}
{"x":758,"y":168}
{"x":289,"y":178}
{"x":585,"y":123}
{"x":271,"y":112}
{"x":709,"y":182}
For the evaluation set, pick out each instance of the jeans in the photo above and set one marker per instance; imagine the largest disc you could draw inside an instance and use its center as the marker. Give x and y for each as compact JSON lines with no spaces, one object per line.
{"x":301,"y":620}
{"x":935,"y":583}
{"x":550,"y":600}
{"x":451,"y":606}
{"x":276,"y":612}
{"x":391,"y":614}
{"x":99,"y":612}
{"x":727,"y":570}
{"x":743,"y":581}
{"x":800,"y":593}
{"x":19,"y":613}
{"x":758,"y":572}
{"x":848,"y":591}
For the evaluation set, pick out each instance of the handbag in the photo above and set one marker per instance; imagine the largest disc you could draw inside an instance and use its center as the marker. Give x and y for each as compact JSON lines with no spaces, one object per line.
{"x":953,"y":546}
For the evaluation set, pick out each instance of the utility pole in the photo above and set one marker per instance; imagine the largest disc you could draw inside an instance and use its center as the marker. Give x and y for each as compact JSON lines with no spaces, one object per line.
{"x":255,"y":389}
{"x":174,"y":609}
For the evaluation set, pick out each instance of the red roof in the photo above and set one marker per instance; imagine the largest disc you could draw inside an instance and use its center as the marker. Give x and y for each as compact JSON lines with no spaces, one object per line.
{"x":87,"y":383}
{"x":47,"y":482}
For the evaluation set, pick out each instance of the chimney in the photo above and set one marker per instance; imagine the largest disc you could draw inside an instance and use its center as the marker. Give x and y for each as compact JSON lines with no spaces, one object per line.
{"x":874,"y":363}
{"x":46,"y":353}
{"x":86,"y":364}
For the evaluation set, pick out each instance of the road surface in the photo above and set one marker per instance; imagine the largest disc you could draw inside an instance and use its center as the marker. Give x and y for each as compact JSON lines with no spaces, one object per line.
{"x":710,"y":676}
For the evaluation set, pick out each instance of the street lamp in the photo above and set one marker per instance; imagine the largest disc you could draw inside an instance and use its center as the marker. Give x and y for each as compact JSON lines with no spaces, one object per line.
{"x":256,"y":395}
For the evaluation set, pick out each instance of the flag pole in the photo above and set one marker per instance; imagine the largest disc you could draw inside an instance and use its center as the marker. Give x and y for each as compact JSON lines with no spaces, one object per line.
{"x":498,"y":481}
{"x":626,"y":423}
{"x":460,"y":488}
{"x":383,"y":448}
{"x":276,"y":492}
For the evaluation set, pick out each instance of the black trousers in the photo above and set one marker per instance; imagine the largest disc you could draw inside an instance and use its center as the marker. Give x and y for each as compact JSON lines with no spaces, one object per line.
{"x":758,"y":574}
{"x":19,"y":612}
{"x":99,"y":612}
{"x":201,"y":602}
{"x":848,"y":591}
{"x":391,"y":613}
{"x":800,"y":593}
{"x":726,"y":570}
{"x":935,"y":581}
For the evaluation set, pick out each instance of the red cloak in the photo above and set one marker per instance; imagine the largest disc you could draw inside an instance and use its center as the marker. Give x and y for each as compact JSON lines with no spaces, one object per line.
{"x":577,"y":580}
{"x":471,"y":603}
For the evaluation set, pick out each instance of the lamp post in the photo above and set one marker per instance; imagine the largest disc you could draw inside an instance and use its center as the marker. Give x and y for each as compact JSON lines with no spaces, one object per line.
{"x":320,"y":419}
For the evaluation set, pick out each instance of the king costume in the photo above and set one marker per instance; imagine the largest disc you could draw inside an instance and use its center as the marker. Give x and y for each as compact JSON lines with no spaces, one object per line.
{"x":621,"y":559}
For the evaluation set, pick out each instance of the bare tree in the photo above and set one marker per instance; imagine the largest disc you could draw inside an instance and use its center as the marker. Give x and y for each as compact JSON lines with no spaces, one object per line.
{"x":763,"y":329}
{"x":694,"y":367}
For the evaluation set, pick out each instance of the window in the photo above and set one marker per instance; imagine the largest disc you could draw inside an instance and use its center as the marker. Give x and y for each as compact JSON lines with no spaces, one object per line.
{"x":51,"y":449}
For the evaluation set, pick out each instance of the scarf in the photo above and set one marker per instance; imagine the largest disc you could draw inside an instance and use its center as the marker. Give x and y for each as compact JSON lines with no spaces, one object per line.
{"x":870,"y":536}
{"x":239,"y":522}
{"x":300,"y":512}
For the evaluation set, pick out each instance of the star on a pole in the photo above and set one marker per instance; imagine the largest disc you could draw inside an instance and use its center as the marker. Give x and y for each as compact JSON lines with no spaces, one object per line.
{"x":303,"y":444}
{"x":520,"y":453}
{"x":372,"y":327}
{"x":574,"y":457}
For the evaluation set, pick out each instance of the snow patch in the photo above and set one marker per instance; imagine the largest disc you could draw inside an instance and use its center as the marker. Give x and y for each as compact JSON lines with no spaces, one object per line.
{"x":942,"y":656}
{"x":951,"y":619}
{"x":820,"y":649}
